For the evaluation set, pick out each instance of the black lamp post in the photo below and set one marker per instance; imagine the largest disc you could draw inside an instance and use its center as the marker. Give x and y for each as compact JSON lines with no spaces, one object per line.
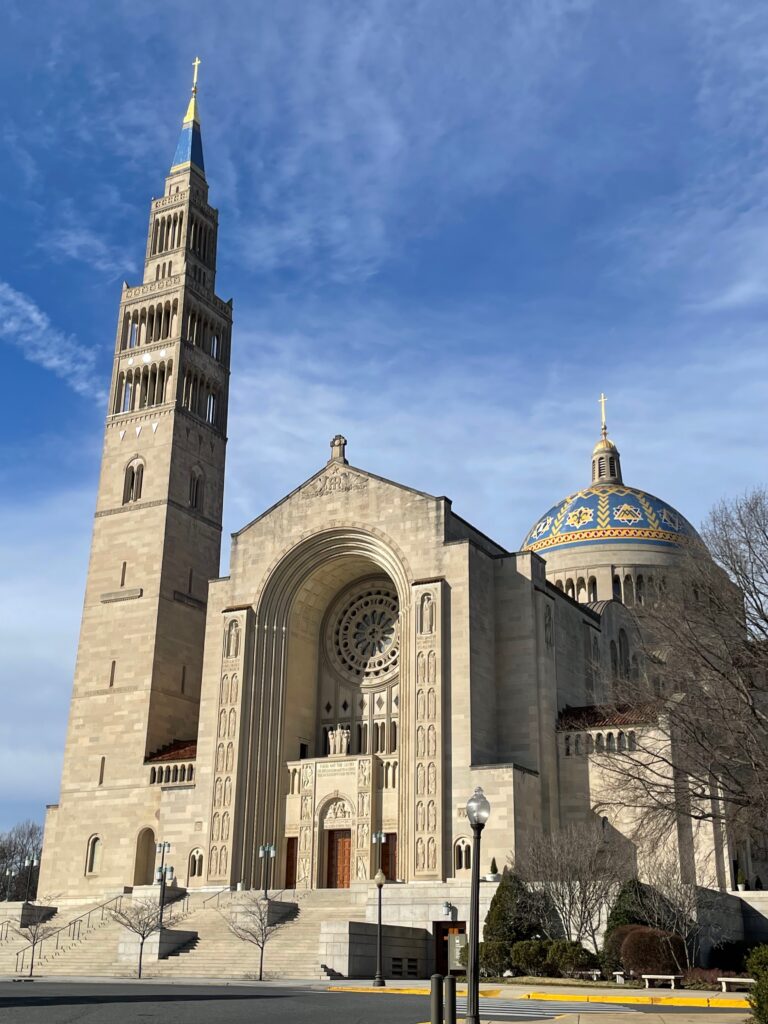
{"x":266,"y":853}
{"x":10,"y":874}
{"x":478,"y":811}
{"x":30,"y":863}
{"x":162,"y":849}
{"x":378,"y":982}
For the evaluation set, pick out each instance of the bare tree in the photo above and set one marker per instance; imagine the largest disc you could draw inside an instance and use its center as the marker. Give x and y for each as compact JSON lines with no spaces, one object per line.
{"x":19,"y":856}
{"x":705,"y":664}
{"x":670,"y":903}
{"x":36,"y":927}
{"x":249,"y":919}
{"x":574,"y":873}
{"x":142,"y":917}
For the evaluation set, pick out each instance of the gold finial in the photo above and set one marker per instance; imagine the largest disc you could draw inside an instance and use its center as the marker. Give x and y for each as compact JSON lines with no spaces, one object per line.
{"x":195,"y":64}
{"x":602,"y":400}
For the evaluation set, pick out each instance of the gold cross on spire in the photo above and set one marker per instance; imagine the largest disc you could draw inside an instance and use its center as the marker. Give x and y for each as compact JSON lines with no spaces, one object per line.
{"x":195,"y":64}
{"x":602,"y":400}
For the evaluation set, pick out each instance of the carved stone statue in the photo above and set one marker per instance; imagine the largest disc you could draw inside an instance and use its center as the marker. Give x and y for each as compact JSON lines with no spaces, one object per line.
{"x":332,"y":741}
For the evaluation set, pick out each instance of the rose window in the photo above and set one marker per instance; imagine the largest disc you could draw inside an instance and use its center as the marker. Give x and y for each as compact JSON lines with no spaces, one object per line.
{"x":364,"y":641}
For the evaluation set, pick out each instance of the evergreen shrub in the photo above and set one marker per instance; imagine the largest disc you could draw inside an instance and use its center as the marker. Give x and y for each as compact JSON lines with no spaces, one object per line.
{"x":653,"y":951}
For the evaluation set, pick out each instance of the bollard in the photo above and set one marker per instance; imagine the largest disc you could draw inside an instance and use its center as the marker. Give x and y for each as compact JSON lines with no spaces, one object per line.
{"x":450,"y":999}
{"x":436,"y":999}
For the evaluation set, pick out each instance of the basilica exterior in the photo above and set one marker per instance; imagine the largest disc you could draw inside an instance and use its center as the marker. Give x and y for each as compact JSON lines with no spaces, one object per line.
{"x":369,"y":660}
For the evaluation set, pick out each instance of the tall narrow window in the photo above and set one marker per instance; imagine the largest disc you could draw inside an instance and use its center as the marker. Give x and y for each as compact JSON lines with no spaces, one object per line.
{"x":183,"y":677}
{"x":101,"y":770}
{"x":134,"y":481}
{"x":93,"y":856}
{"x":196,"y":490}
{"x":189,"y":581}
{"x":123,"y":571}
{"x":112,"y":673}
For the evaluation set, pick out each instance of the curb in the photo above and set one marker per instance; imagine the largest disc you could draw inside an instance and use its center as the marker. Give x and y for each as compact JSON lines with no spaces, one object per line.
{"x":694,"y":1001}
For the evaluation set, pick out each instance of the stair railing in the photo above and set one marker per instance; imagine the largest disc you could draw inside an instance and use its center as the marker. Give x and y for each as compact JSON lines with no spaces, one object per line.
{"x":178,"y":909}
{"x":68,"y":934}
{"x":217,"y":896}
{"x":5,"y":928}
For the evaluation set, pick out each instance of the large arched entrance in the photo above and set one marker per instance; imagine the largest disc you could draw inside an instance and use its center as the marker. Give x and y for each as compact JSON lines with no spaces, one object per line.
{"x":333,"y":670}
{"x":144,"y":869}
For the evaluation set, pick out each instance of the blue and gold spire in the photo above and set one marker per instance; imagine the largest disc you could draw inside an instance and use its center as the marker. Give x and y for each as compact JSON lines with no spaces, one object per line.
{"x":189,"y":150}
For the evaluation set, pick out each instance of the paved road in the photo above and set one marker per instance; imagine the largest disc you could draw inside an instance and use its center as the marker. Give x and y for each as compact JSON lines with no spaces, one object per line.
{"x":136,"y":1003}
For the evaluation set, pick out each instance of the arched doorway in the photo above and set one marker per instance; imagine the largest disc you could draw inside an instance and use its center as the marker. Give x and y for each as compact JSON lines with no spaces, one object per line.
{"x":144,"y":871}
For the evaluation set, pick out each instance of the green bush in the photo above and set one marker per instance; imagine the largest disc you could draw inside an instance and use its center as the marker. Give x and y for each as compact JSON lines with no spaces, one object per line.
{"x":530,"y":957}
{"x":564,"y":958}
{"x":628,"y":907}
{"x":494,"y":866}
{"x":757,"y":962}
{"x":758,"y":998}
{"x":652,"y":951}
{"x":610,"y":957}
{"x":494,"y":958}
{"x":509,"y":917}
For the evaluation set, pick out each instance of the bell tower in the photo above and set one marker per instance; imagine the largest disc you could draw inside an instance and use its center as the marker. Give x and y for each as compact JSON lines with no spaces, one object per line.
{"x":157,"y":530}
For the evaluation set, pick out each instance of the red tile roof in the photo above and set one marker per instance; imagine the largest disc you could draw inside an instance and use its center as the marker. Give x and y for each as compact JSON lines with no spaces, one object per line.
{"x":178,"y":750}
{"x":596,"y":716}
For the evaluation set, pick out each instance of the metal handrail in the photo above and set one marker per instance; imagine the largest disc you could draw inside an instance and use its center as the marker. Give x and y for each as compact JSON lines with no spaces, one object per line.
{"x":73,"y":928}
{"x":179,"y":908}
{"x":5,"y":927}
{"x":217,"y":895}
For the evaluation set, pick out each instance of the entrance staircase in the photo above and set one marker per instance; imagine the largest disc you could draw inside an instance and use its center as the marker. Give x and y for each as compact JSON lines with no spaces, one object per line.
{"x":292,"y":952}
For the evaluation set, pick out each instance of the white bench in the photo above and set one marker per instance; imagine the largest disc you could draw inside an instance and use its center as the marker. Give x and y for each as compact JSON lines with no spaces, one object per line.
{"x":671,"y":978}
{"x":618,"y":977}
{"x":595,"y":974}
{"x":725,"y":982}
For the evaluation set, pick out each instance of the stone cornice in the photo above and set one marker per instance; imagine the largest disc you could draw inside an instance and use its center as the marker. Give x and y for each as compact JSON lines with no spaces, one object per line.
{"x":136,"y":506}
{"x":128,"y":594}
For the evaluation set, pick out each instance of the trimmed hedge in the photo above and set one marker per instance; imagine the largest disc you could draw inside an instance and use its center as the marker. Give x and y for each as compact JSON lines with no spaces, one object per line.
{"x":652,"y":951}
{"x":530,"y":957}
{"x":757,"y":962}
{"x":610,"y":957}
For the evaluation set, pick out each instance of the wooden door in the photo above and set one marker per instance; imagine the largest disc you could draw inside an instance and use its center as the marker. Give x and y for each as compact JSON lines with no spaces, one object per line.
{"x":290,"y":862}
{"x":339,"y":856}
{"x":389,"y":857}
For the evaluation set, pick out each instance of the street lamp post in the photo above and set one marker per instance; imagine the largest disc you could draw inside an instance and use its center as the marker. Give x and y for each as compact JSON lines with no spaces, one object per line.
{"x":162,"y":849}
{"x":378,"y":982}
{"x":478,"y":811}
{"x":30,"y":863}
{"x":10,"y":874}
{"x":267,"y":853}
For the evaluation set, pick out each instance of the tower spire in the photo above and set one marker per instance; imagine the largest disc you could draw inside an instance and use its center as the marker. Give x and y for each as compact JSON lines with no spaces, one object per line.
{"x":189,"y":150}
{"x":606,"y":461}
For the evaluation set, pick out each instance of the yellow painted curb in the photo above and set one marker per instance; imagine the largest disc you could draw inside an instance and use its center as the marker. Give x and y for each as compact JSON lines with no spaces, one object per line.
{"x":705,"y":1001}
{"x":488,"y":993}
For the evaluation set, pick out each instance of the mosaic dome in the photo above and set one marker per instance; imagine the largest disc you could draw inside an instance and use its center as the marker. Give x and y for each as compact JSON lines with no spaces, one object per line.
{"x":609,"y":513}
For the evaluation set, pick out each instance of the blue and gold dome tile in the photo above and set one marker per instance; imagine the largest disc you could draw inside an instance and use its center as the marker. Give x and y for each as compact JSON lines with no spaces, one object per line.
{"x":610,"y":513}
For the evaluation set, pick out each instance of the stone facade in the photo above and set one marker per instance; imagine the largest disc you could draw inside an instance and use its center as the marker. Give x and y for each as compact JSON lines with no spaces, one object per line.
{"x":370,"y":659}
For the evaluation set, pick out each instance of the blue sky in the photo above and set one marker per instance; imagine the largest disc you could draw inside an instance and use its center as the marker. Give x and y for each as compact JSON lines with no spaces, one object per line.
{"x":446,"y":228}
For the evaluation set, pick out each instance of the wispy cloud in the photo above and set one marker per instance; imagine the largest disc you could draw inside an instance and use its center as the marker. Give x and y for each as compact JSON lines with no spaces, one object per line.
{"x":27,"y":328}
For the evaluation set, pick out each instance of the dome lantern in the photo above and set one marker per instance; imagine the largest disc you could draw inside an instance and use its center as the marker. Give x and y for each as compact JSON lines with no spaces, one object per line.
{"x":606,"y":461}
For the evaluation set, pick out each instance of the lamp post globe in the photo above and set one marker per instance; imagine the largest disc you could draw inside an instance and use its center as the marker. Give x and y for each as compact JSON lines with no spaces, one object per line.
{"x":478,"y":812}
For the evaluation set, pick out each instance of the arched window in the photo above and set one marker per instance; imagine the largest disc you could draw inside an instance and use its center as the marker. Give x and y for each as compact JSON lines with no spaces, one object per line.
{"x":632,"y":740}
{"x":581,"y":589}
{"x":567,"y":746}
{"x":462,"y":855}
{"x":612,"y":465}
{"x":623,"y":654}
{"x":614,"y":659}
{"x":601,"y":466}
{"x":196,"y":490}
{"x":134,"y":481}
{"x":233,"y":639}
{"x":579,"y":744}
{"x":592,"y":590}
{"x":616,"y":588}
{"x":629,"y":591}
{"x":152,"y":776}
{"x":559,"y":585}
{"x":622,"y":741}
{"x":93,"y":856}
{"x":610,"y":743}
{"x":569,"y":588}
{"x":640,"y":590}
{"x":599,"y":743}
{"x":393,"y":737}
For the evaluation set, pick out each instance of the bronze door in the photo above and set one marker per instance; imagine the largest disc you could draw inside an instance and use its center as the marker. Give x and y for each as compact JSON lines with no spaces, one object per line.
{"x":290,"y":862}
{"x":389,"y":857}
{"x":339,"y":856}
